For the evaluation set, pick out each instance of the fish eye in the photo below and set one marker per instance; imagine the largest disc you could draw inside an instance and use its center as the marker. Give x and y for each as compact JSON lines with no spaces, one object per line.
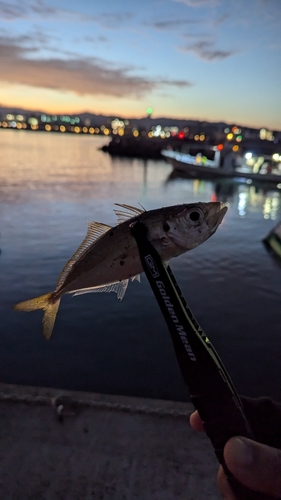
{"x":194,"y":215}
{"x":166,"y":227}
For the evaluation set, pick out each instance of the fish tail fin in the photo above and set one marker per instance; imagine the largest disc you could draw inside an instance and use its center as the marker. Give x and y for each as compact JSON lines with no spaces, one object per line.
{"x":48,"y":304}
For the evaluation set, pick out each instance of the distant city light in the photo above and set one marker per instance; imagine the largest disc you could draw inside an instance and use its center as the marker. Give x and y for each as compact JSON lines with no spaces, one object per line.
{"x":236,"y":130}
{"x":181,"y":135}
{"x":48,"y":127}
{"x":116,"y":123}
{"x":220,"y":147}
{"x":229,"y":136}
{"x":276,"y":157}
{"x":248,"y":155}
{"x":263,"y":133}
{"x":32,"y":121}
{"x":235,"y":148}
{"x":149,"y":111}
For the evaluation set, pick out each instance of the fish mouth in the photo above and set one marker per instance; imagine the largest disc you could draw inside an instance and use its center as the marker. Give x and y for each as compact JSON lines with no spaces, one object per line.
{"x":216,"y":215}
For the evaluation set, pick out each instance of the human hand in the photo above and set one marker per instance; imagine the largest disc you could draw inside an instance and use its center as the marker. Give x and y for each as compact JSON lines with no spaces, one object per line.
{"x":253,"y":464}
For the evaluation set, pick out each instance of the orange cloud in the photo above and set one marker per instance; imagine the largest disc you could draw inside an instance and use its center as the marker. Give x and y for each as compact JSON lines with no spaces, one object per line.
{"x":90,"y":76}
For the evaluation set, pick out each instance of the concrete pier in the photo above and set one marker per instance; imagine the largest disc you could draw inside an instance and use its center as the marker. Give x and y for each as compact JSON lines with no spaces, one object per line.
{"x":63,"y":445}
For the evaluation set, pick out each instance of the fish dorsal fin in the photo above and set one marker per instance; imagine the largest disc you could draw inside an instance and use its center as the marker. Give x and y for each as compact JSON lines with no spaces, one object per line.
{"x":127,"y":213}
{"x":118,"y":287}
{"x":94,"y":232}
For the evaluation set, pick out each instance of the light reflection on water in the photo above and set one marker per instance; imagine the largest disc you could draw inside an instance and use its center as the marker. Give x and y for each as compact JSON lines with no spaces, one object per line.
{"x":50,"y":186}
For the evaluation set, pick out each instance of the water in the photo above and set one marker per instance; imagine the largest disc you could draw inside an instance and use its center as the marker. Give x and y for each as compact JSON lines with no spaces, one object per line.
{"x":50,"y":186}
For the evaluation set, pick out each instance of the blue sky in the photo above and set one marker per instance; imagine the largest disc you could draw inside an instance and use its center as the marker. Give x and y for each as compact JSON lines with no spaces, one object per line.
{"x":199,"y":59}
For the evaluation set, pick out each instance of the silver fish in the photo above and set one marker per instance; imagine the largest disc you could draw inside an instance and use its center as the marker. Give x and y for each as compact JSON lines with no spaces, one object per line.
{"x":108,"y":257}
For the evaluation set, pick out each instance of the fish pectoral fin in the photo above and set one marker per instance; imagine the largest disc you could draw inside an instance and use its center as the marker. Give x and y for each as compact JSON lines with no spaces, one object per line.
{"x":128,"y":212}
{"x":94,"y":232}
{"x":137,"y":278}
{"x":118,"y":287}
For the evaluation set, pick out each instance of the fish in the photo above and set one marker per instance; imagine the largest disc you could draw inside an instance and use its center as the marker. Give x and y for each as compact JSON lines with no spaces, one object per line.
{"x":108,"y":257}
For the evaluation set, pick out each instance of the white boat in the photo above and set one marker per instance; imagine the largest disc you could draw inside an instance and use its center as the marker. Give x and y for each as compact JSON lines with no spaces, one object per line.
{"x":207,"y":162}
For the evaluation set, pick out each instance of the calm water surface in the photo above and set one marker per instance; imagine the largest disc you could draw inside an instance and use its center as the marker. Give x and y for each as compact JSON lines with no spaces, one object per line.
{"x":50,"y":186}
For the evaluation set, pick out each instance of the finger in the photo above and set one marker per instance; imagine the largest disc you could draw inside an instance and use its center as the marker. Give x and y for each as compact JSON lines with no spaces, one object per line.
{"x":255,"y":465}
{"x":196,"y":422}
{"x":223,"y":484}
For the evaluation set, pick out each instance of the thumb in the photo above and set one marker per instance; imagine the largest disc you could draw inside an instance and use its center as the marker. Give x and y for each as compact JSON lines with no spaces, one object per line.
{"x":255,"y":465}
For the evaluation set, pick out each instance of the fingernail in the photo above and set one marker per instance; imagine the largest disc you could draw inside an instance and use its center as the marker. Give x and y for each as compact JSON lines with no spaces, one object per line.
{"x":242,"y":453}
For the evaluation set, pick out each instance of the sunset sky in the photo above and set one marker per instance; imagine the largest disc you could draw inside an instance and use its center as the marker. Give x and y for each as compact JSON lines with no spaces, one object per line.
{"x":196,"y":59}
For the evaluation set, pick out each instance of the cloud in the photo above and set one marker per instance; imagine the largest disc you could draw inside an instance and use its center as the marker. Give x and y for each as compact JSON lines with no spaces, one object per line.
{"x":112,"y":20}
{"x":9,"y":12}
{"x":38,"y":9}
{"x":15,"y":10}
{"x":91,"y":76}
{"x":204,"y":50}
{"x":176,"y":83}
{"x":221,"y":19}
{"x":199,"y":3}
{"x":164,"y":25}
{"x":91,"y":39}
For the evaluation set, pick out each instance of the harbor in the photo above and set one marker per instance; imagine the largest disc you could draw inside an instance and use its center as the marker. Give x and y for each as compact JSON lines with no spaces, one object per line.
{"x":101,"y":410}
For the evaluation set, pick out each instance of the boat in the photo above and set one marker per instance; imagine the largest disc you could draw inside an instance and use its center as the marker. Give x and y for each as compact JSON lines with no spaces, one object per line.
{"x":273,"y":241}
{"x":208,"y":162}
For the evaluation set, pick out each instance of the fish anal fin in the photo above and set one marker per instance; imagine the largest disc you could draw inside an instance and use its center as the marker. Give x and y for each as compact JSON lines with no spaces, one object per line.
{"x":94,"y":232}
{"x":127,"y":212}
{"x":118,"y":287}
{"x":137,"y":278}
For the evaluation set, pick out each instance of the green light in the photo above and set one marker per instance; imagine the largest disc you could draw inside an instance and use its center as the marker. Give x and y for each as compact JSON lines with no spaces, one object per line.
{"x":149,"y":111}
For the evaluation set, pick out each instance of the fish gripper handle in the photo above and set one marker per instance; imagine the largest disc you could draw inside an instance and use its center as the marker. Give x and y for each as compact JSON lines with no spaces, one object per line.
{"x":212,"y":391}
